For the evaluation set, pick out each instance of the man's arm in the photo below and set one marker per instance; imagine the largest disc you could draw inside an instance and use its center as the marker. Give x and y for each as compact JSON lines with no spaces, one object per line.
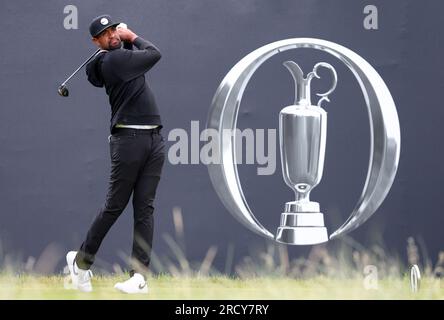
{"x":127,"y":45}
{"x":130,"y":64}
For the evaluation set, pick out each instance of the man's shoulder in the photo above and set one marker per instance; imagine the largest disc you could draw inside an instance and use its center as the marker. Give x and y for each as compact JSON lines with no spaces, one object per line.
{"x":117,"y":57}
{"x":116,"y":53}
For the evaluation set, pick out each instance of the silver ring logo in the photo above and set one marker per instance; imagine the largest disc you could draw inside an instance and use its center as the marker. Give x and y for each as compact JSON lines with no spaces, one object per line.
{"x":384,"y":132}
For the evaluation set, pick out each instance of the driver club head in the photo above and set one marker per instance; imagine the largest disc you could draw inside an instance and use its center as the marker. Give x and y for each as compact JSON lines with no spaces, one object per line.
{"x":63,"y":91}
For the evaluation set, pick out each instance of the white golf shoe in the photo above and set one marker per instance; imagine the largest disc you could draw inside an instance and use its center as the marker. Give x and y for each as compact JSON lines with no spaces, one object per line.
{"x":70,"y":258}
{"x":81,"y":279}
{"x":135,"y":284}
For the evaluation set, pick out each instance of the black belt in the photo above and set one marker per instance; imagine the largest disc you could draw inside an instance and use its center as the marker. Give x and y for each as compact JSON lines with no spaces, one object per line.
{"x":131,"y":131}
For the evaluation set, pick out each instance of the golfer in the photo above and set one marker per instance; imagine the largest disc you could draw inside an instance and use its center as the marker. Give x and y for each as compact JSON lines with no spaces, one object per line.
{"x":137,"y":149}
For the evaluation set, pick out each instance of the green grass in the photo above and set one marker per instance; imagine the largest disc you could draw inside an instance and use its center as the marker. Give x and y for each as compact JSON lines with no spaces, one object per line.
{"x":167,"y":287}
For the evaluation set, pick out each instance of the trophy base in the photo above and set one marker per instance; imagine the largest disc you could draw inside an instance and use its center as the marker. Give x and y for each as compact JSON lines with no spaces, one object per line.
{"x":302,"y":224}
{"x":302,"y":235}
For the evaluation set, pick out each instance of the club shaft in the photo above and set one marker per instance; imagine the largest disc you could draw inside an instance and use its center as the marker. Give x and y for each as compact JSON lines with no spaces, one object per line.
{"x":80,"y":67}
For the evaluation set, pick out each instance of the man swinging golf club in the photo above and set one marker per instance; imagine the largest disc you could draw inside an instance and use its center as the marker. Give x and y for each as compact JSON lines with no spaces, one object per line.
{"x":136,"y":149}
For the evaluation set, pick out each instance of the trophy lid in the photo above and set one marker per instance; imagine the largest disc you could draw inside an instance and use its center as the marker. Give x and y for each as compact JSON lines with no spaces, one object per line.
{"x":302,"y":85}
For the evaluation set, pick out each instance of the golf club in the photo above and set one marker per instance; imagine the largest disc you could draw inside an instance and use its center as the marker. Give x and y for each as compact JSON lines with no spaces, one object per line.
{"x":63,"y":90}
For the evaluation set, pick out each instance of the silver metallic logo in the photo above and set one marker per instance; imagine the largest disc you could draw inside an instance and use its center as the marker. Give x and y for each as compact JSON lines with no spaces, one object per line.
{"x":302,"y":134}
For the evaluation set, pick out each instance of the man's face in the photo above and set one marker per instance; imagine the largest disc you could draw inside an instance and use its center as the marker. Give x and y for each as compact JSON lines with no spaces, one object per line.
{"x":108,"y":39}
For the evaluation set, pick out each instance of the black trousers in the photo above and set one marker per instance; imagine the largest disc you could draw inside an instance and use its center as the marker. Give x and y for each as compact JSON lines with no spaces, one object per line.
{"x":137,"y":157}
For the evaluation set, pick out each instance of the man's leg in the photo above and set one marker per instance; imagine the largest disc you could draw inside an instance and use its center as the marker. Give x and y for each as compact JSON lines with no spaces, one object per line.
{"x":143,"y":203}
{"x":126,"y":159}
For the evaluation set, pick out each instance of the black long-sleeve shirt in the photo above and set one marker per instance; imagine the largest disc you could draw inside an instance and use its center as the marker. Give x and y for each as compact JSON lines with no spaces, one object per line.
{"x":122,"y":72}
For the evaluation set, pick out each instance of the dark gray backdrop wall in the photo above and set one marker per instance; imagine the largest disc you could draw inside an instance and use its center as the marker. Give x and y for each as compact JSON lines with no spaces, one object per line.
{"x":54,"y":160}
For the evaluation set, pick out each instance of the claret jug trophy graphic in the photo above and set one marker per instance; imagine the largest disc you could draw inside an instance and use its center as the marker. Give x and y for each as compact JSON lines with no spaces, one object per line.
{"x":302,"y":140}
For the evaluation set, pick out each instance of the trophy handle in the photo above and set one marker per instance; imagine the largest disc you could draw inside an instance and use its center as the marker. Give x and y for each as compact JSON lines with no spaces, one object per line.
{"x":324,"y":96}
{"x":302,"y":91}
{"x":385,"y":133}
